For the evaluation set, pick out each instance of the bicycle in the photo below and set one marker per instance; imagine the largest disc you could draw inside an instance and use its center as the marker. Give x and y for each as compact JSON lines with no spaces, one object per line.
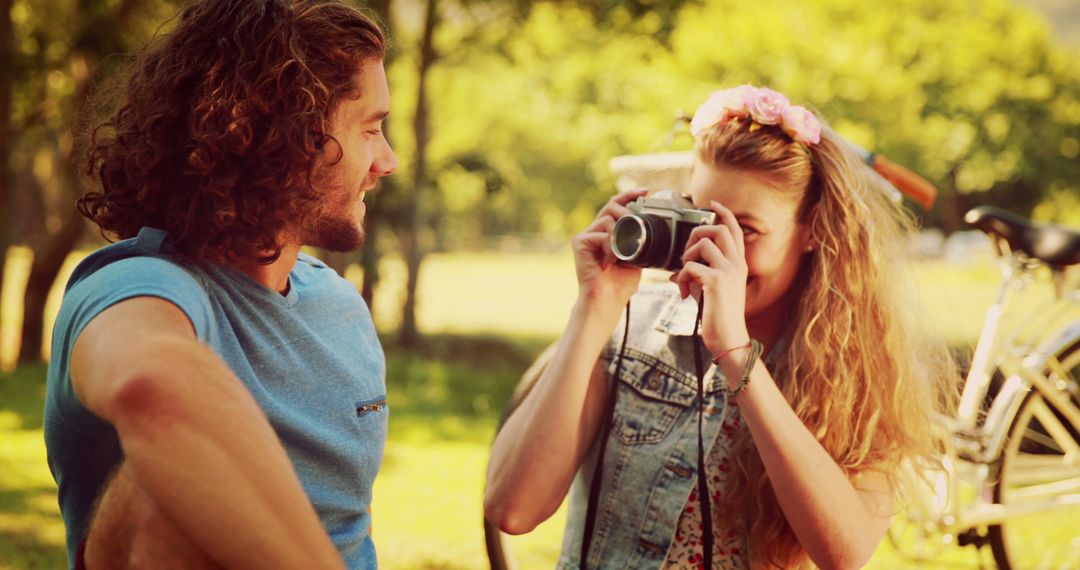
{"x":1013,"y":453}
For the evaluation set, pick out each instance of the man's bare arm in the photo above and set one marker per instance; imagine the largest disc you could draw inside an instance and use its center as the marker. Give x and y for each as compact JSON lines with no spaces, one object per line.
{"x":196,"y":440}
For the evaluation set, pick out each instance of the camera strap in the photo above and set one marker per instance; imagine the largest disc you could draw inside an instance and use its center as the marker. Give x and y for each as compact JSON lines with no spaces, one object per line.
{"x":702,"y":477}
{"x":605,"y":431}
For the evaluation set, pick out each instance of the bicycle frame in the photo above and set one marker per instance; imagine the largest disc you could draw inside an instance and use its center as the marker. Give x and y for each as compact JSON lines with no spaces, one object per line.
{"x":973,"y":446}
{"x":988,"y":358}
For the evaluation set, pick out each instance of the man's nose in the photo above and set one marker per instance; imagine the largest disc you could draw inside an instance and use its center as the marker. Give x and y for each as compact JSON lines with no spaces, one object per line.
{"x":386,"y":162}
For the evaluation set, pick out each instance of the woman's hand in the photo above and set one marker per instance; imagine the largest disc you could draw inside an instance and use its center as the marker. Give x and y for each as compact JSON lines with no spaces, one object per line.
{"x":714,"y":269}
{"x":600,"y":279}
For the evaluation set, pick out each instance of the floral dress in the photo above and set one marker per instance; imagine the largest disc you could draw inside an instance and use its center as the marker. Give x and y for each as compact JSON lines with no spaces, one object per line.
{"x":729,"y":544}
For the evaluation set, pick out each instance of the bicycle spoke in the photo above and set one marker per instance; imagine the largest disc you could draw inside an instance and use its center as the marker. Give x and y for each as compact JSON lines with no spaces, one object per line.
{"x":1063,"y":441}
{"x":1034,"y":470}
{"x":1064,"y":493}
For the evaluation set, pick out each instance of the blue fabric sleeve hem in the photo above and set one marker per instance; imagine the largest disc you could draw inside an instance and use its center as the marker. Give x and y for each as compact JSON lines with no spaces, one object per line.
{"x":118,"y":282}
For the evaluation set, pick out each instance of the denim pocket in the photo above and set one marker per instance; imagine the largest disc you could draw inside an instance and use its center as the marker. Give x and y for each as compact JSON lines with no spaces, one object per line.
{"x":651,"y":398}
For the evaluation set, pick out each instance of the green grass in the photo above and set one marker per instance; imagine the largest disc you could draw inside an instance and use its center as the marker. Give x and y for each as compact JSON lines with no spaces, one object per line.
{"x":445,"y":405}
{"x":427,"y":506}
{"x":31,"y":535}
{"x":486,"y":316}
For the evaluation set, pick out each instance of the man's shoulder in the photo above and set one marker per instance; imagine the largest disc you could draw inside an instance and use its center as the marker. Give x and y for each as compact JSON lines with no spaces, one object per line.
{"x":136,"y":267}
{"x":142,"y":258}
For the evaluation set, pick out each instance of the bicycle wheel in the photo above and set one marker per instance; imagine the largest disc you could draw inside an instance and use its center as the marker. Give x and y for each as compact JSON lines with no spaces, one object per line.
{"x":1041,"y":463}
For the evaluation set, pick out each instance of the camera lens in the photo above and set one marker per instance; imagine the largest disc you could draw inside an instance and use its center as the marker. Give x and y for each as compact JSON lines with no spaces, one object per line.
{"x":641,"y":240}
{"x":628,"y":238}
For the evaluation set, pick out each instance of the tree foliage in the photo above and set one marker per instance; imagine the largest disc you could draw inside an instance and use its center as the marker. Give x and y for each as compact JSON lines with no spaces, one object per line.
{"x":528,"y":109}
{"x":528,"y":101}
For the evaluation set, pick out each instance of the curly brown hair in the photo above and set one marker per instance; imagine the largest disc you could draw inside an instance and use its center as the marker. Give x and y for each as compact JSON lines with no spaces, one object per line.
{"x":222,"y":122}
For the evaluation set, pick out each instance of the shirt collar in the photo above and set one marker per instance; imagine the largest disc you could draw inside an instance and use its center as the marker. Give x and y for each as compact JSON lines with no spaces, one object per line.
{"x":677,"y":316}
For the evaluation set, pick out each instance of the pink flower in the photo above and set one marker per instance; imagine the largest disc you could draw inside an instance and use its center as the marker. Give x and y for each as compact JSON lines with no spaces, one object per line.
{"x":801,"y":125}
{"x":766,"y":106}
{"x":720,"y":107}
{"x":735,"y":100}
{"x":712,"y":112}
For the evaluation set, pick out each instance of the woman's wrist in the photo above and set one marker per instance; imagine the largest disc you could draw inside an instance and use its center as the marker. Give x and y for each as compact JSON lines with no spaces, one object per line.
{"x":733,"y":365}
{"x":728,"y":345}
{"x":603,"y":310}
{"x":735,"y":360}
{"x":599,"y":300}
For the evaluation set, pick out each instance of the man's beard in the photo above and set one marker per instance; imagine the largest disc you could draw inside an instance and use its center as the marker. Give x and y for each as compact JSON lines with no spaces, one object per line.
{"x":335,"y":233}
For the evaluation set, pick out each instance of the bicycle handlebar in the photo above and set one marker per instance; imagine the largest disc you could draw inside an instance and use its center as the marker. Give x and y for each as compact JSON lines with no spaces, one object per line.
{"x":912,"y":185}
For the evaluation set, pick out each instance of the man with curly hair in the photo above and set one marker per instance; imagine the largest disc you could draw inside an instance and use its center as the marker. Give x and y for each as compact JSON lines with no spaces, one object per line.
{"x":216,"y":397}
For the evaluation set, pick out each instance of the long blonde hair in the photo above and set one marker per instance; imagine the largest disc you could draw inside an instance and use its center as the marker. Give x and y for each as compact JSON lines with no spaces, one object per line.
{"x":858,"y":370}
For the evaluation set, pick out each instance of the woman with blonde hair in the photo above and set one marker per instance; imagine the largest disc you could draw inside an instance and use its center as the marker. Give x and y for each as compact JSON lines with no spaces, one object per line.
{"x":782,"y":361}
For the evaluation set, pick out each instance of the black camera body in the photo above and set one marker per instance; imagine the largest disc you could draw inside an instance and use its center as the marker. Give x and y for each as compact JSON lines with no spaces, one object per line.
{"x":655,"y":235}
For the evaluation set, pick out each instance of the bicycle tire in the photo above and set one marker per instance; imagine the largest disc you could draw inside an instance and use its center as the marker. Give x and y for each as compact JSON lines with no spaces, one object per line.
{"x":1031,"y":459}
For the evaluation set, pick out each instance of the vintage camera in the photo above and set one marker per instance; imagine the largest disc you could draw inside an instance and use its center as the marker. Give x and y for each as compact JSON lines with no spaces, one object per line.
{"x":655,"y":234}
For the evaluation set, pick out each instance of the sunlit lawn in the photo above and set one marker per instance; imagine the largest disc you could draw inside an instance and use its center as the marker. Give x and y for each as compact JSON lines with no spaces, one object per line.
{"x":487,"y":315}
{"x":30,"y":536}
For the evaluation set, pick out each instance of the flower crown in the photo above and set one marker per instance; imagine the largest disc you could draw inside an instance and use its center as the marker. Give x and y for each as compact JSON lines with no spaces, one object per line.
{"x":763,"y":106}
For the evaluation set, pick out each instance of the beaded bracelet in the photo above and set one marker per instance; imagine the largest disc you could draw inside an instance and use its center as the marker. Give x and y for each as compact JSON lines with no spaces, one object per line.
{"x":716,"y":359}
{"x":755,"y":352}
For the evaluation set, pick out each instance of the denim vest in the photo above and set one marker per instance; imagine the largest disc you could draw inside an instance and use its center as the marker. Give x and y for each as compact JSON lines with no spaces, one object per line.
{"x":650,"y":464}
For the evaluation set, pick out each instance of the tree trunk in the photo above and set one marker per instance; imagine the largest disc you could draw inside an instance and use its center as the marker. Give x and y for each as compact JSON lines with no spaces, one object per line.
{"x":7,"y":78}
{"x":336,"y":260}
{"x":47,"y":264}
{"x":49,"y":259}
{"x":413,"y":249}
{"x":370,"y":255}
{"x":952,"y":219}
{"x":86,"y":50}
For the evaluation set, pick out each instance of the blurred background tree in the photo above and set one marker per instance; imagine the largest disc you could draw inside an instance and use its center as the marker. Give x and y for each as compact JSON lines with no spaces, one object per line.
{"x":505,"y":114}
{"x":53,"y":52}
